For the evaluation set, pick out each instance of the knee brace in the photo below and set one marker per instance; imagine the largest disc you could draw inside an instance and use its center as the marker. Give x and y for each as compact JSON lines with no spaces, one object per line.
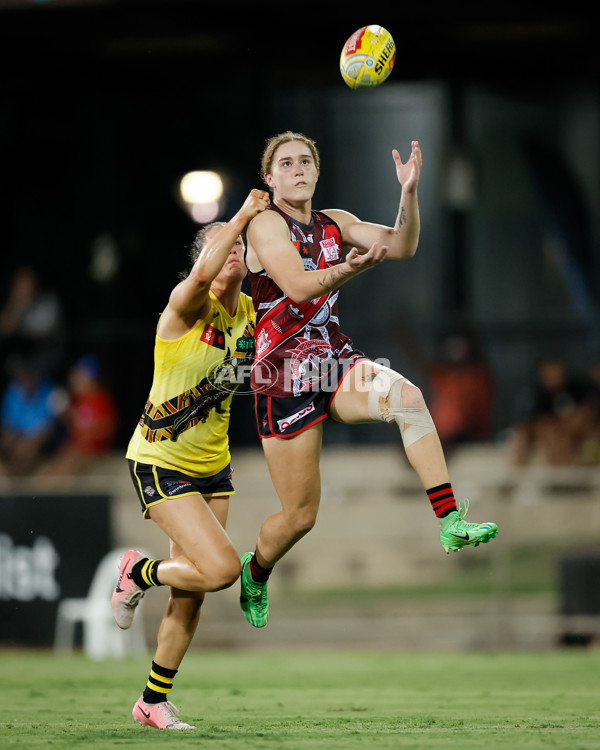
{"x":385,"y":404}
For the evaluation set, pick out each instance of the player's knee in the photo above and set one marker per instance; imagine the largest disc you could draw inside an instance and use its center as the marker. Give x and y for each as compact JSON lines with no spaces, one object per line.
{"x":303,"y":521}
{"x":412,"y":397}
{"x":306,"y":523}
{"x":224,"y":573}
{"x":393,"y":398}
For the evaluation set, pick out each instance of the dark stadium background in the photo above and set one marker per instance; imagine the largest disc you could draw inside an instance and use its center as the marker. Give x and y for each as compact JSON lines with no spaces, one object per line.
{"x":104,"y":105}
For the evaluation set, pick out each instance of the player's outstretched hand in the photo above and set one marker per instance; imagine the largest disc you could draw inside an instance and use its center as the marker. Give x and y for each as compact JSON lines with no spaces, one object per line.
{"x":256,"y":202}
{"x":373,"y":257}
{"x":409,"y":173}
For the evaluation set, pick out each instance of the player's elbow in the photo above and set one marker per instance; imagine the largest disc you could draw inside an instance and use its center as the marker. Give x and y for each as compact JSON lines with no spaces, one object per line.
{"x":299,"y":294}
{"x":201,"y":277}
{"x":404,"y":251}
{"x":300,"y":299}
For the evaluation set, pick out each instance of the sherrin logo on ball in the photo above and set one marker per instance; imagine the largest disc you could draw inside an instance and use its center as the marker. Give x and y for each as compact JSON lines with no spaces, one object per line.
{"x":368,"y":57}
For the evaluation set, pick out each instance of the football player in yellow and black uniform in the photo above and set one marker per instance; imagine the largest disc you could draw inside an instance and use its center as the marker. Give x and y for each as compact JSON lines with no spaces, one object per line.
{"x":179,"y":452}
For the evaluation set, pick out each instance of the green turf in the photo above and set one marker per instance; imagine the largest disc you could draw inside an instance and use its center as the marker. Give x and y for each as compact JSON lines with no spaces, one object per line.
{"x":317,"y":700}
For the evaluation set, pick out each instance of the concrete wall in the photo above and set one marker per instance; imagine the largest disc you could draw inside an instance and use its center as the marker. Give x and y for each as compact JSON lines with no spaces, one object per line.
{"x":376,"y":529}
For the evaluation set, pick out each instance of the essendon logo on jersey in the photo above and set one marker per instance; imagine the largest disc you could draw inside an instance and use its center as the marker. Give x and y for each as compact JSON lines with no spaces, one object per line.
{"x":213,"y":337}
{"x":330,"y":249}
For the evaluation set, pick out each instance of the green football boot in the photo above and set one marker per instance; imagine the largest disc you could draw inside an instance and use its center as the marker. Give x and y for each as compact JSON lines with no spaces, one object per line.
{"x":253,"y":596}
{"x":456,"y":533}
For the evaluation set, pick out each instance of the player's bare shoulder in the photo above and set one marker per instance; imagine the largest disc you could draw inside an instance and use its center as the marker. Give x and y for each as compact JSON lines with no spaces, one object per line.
{"x":260,"y":230}
{"x":265,"y":221}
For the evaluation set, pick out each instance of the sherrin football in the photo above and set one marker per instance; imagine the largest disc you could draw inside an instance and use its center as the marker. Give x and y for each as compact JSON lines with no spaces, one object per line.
{"x":368,"y":57}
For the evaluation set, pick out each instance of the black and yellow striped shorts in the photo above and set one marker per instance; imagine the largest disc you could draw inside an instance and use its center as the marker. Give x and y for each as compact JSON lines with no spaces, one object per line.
{"x":154,"y":484}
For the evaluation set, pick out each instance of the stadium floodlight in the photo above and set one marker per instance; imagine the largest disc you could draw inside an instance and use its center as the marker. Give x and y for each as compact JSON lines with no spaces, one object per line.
{"x":201,"y":187}
{"x":201,"y":191}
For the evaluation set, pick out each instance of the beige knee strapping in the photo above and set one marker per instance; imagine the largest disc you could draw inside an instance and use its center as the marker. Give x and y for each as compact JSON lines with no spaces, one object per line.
{"x":385,"y":404}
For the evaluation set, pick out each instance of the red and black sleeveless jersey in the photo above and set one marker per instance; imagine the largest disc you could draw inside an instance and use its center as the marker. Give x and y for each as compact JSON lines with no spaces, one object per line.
{"x":297,"y":344}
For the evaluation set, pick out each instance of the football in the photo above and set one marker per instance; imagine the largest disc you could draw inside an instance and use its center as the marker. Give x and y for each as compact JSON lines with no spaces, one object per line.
{"x":368,"y":57}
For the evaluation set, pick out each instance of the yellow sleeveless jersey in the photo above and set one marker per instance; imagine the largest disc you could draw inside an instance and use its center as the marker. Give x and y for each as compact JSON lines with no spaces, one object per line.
{"x":186,"y":418}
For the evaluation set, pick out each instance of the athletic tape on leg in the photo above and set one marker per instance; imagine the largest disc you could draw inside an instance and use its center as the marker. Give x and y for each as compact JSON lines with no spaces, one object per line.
{"x":385,"y":404}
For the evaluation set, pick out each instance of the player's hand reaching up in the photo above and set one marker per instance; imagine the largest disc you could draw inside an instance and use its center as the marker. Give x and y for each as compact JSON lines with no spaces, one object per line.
{"x":409,"y":173}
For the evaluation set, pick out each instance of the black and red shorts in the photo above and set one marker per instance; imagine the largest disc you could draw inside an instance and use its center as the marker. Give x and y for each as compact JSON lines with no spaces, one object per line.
{"x":284,"y":417}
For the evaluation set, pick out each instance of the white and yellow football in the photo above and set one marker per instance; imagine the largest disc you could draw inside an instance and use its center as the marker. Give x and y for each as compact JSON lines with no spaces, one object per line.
{"x":368,"y":57}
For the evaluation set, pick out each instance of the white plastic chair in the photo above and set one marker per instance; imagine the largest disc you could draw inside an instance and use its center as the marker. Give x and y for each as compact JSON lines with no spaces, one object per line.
{"x":102,"y":638}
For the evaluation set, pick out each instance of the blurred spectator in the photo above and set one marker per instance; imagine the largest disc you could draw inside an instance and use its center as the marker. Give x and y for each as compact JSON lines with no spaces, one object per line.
{"x":90,"y":419}
{"x":30,"y":430}
{"x":461,"y":400}
{"x":30,"y":320}
{"x":460,"y":385}
{"x":550,"y":416}
{"x":590,"y":449}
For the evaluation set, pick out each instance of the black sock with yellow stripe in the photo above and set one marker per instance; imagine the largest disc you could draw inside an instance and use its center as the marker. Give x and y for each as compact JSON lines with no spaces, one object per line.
{"x":159,"y":685}
{"x":144,"y":573}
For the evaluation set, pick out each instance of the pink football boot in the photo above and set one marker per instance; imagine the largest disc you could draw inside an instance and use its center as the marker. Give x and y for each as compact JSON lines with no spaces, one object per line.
{"x":158,"y":715}
{"x":127,"y":594}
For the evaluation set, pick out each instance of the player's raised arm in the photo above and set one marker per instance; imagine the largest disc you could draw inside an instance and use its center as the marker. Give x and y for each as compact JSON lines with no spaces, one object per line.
{"x":269,"y":241}
{"x":403,"y":238}
{"x":191,"y":295}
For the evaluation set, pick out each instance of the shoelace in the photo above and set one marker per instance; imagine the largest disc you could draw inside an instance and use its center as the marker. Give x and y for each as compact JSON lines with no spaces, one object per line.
{"x":172,"y":713}
{"x":462,"y":511}
{"x":134,"y":599}
{"x":255,"y":590}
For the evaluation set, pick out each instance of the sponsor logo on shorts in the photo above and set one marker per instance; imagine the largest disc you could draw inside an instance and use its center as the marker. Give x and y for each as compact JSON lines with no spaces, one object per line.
{"x":172,"y":487}
{"x":177,"y":487}
{"x":285,"y":423}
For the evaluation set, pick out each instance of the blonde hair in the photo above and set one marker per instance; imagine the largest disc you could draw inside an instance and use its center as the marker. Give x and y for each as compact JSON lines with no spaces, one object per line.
{"x":273,"y":144}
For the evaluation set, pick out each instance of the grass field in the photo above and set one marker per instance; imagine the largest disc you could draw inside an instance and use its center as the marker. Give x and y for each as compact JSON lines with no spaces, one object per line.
{"x":319,"y":700}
